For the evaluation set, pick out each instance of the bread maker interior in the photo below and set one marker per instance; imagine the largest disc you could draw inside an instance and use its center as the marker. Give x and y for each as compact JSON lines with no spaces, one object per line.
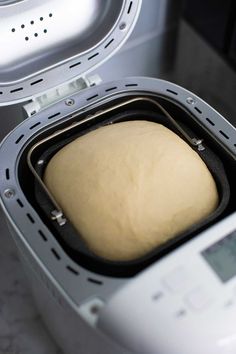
{"x":36,"y":156}
{"x":71,"y":285}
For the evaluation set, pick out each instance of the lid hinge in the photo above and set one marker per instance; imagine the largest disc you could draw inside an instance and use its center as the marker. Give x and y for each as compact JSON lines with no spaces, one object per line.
{"x":57,"y":94}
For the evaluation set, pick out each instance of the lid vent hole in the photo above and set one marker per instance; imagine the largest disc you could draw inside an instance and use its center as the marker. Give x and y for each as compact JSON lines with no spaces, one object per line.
{"x":7,"y":174}
{"x":56,"y":254}
{"x":30,"y":217}
{"x":92,"y":97}
{"x":19,"y":139}
{"x":130,"y":7}
{"x":54,"y":115}
{"x":131,"y":85}
{"x":76,"y":64}
{"x":210,"y":121}
{"x":198,"y":110}
{"x":111,"y":89}
{"x":171,"y":91}
{"x":224,"y":135}
{"x":95,"y":281}
{"x":35,"y":125}
{"x":36,"y":82}
{"x":42,"y":235}
{"x":72,"y":270}
{"x":109,"y":43}
{"x":20,"y":203}
{"x":93,"y":56}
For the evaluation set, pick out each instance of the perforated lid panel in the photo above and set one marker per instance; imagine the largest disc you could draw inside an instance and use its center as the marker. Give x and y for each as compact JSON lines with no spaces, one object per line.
{"x":45,"y":43}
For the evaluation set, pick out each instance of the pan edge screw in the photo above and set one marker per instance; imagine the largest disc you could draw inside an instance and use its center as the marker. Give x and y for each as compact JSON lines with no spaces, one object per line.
{"x":94,"y":309}
{"x":190,"y":100}
{"x":122,"y":26}
{"x":9,"y":193}
{"x":70,"y":102}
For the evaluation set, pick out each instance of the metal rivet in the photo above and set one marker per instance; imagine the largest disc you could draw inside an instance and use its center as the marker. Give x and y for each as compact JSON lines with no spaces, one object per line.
{"x":69,"y":102}
{"x":122,"y":26}
{"x":40,"y":162}
{"x":198,"y":143}
{"x":9,"y":193}
{"x":94,"y":309}
{"x":190,"y":100}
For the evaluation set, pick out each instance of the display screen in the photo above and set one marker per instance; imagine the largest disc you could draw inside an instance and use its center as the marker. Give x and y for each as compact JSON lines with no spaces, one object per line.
{"x":221,"y":256}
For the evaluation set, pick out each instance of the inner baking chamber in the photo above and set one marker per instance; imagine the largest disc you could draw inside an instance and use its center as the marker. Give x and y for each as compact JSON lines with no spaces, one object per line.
{"x":224,"y":174}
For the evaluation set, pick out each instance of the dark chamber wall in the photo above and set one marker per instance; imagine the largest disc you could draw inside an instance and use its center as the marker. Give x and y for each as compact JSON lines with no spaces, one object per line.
{"x":215,"y":20}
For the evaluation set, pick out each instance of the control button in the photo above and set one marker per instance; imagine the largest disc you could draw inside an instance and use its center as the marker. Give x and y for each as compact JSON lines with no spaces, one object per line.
{"x":177,"y":280}
{"x":157,"y":296}
{"x":198,"y":299}
{"x":181,"y":313}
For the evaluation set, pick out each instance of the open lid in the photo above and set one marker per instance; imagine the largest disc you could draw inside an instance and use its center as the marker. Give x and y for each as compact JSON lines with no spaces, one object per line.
{"x":45,"y":43}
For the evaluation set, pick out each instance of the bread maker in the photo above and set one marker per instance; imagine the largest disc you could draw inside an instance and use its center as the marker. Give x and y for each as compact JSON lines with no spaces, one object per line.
{"x":181,"y":298}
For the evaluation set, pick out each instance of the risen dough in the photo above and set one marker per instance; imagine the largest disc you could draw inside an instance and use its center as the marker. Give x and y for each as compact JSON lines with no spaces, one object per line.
{"x":129,"y":187}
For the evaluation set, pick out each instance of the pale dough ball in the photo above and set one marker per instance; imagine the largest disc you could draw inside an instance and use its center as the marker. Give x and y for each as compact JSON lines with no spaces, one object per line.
{"x":129,"y":187}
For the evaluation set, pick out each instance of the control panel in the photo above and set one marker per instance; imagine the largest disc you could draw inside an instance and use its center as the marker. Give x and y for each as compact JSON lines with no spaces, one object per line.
{"x":184,"y":303}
